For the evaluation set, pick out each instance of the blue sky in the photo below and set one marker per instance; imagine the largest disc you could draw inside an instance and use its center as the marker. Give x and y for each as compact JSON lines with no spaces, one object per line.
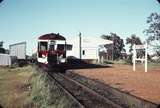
{"x":25,"y":20}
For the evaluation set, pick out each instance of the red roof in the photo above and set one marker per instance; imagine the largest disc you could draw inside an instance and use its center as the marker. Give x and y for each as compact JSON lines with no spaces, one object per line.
{"x":52,"y":36}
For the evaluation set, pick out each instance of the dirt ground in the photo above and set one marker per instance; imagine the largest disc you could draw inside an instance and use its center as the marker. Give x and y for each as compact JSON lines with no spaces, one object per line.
{"x":138,"y":83}
{"x":15,"y":87}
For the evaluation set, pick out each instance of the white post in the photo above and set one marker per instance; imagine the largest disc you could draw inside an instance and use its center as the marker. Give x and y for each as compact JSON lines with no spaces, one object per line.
{"x":146,"y":57}
{"x":134,"y":57}
{"x":102,"y":59}
{"x":97,"y":54}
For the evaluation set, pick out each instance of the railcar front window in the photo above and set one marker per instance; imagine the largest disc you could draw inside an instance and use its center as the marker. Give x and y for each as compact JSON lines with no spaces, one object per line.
{"x":51,"y":47}
{"x":43,"y":46}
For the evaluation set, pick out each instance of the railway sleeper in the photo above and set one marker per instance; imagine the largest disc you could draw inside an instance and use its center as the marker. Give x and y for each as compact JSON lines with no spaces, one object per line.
{"x":122,"y":98}
{"x":86,"y":96}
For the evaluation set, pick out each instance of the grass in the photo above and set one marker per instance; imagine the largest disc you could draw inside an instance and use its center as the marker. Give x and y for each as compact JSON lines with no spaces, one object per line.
{"x":121,"y":61}
{"x":15,"y":87}
{"x":28,"y":88}
{"x":153,"y":65}
{"x":46,"y":93}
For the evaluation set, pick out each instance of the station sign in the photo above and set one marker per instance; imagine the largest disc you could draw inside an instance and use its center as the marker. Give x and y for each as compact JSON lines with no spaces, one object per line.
{"x":139,"y":46}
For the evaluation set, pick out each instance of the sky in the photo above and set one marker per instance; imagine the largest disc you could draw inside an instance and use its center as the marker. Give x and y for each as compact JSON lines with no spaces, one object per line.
{"x":26,"y":20}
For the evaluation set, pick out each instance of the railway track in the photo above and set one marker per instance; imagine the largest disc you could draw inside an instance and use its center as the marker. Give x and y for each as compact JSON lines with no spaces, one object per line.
{"x":67,"y":92}
{"x":124,"y":99}
{"x":81,"y":94}
{"x":87,"y":93}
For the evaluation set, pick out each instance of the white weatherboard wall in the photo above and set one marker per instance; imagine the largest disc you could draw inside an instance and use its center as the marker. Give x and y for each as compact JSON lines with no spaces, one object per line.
{"x":89,"y":47}
{"x":74,"y":41}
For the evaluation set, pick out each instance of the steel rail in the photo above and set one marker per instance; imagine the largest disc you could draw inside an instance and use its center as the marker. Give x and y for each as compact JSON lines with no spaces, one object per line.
{"x":66,"y":91}
{"x":91,"y":91}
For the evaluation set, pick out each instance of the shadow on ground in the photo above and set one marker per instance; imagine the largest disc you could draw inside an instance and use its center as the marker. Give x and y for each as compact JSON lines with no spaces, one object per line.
{"x":79,"y":64}
{"x":1,"y":106}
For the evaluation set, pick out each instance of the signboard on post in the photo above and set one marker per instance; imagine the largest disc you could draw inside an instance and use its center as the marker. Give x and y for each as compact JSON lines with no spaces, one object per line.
{"x":137,"y":47}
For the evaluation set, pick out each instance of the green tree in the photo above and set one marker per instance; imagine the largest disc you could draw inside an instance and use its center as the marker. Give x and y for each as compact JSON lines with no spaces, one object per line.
{"x":117,"y":47}
{"x":153,"y":32}
{"x":1,"y":1}
{"x":133,"y":40}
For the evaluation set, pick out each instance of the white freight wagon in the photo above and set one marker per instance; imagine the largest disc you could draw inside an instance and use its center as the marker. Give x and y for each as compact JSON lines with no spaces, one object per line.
{"x":86,"y":47}
{"x":18,"y":50}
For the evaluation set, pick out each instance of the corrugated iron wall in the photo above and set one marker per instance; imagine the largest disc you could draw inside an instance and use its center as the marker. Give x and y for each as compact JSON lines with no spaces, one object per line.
{"x":18,"y":50}
{"x":5,"y":60}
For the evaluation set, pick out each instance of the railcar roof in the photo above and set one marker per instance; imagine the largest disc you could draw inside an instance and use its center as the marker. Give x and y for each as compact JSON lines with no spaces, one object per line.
{"x":52,"y":36}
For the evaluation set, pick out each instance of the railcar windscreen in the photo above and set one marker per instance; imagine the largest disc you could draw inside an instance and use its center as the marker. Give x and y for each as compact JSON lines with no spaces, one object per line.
{"x":43,"y":46}
{"x":51,"y":47}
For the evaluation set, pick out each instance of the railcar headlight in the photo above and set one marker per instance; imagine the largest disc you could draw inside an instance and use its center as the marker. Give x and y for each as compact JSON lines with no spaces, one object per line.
{"x":63,"y":60}
{"x":43,"y":56}
{"x":61,"y":56}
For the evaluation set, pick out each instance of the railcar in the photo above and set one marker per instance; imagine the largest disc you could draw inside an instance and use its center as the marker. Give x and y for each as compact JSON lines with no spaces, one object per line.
{"x":51,"y":50}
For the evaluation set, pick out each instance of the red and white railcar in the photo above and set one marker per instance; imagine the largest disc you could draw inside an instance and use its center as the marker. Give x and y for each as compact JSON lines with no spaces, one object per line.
{"x":51,"y":49}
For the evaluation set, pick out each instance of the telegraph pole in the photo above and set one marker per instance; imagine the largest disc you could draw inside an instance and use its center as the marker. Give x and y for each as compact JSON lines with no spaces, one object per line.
{"x":80,"y":46}
{"x":1,"y":1}
{"x":112,"y":48}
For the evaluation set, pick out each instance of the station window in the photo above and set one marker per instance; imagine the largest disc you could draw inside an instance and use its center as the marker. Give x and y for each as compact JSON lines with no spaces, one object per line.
{"x":83,"y":52}
{"x":69,"y":47}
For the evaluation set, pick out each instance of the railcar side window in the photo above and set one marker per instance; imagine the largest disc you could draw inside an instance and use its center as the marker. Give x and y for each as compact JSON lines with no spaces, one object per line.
{"x":60,"y":47}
